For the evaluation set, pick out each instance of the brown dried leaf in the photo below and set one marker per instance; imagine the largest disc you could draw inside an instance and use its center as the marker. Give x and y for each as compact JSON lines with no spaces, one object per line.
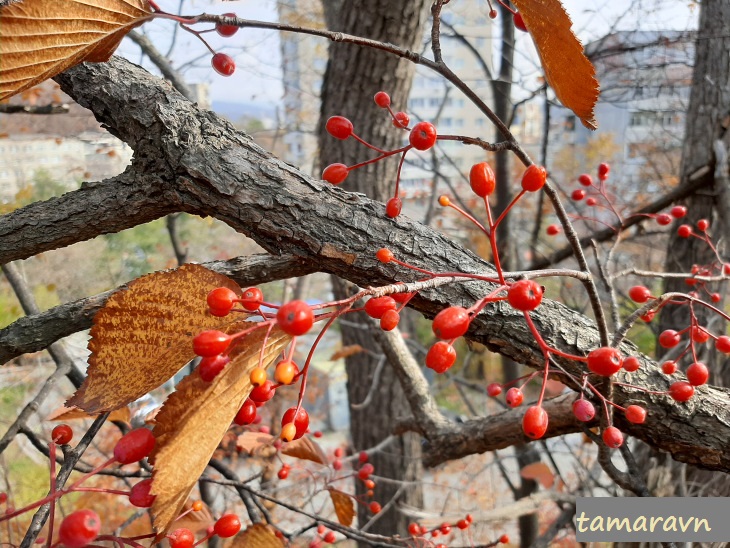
{"x":144,"y":334}
{"x":257,"y":535}
{"x":540,"y":472}
{"x":42,"y":38}
{"x":347,"y":351}
{"x":344,"y":507}
{"x":71,"y":413}
{"x":567,"y":69}
{"x":193,"y":420}
{"x":306,"y":449}
{"x":253,"y":441}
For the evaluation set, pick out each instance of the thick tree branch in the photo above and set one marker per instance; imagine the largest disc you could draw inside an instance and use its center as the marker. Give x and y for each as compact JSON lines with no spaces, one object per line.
{"x":222,"y":173}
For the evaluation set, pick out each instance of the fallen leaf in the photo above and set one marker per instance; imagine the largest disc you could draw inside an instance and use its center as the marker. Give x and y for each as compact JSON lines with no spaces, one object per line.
{"x":144,"y":333}
{"x":42,"y":38}
{"x":306,"y":449}
{"x":540,"y":472}
{"x":253,"y":441}
{"x":71,"y":413}
{"x":344,"y":507}
{"x":347,"y":351}
{"x":257,"y":535}
{"x":567,"y":69}
{"x":195,"y":418}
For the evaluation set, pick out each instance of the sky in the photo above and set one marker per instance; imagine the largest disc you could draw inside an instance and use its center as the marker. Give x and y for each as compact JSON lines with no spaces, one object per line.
{"x":258,"y":78}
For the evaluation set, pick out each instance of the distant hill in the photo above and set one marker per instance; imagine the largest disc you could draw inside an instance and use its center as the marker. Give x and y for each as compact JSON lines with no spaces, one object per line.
{"x":235,"y":111}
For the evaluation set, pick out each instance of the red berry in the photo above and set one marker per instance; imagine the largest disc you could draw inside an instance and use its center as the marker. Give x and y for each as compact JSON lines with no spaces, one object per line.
{"x":514,"y":397}
{"x":221,"y":300}
{"x":723,"y":344}
{"x":363,"y":457}
{"x":462,"y":524}
{"x":649,"y":316}
{"x":535,"y":422}
{"x":423,"y":136}
{"x":247,"y":414}
{"x":300,"y":421}
{"x":440,"y":356}
{"x":79,"y":528}
{"x":337,"y":464}
{"x":631,"y":364}
{"x":681,"y":391}
{"x":384,"y":255}
{"x":211,"y":343}
{"x":285,"y":372}
{"x":445,"y":529}
{"x":339,"y":127}
{"x":613,"y":437}
{"x":703,"y":225}
{"x":481,"y":179}
{"x":591,"y":202}
{"x":365,"y":471}
{"x":684,"y":231}
{"x":534,"y":177}
{"x":375,"y":507}
{"x":715,"y":297}
{"x":697,"y":374}
{"x":377,"y":306}
{"x":223,"y":64}
{"x":390,"y":320}
{"x":678,"y":212}
{"x":504,"y":539}
{"x":494,"y":389}
{"x":401,"y":120}
{"x":382,"y":99}
{"x":227,"y":525}
{"x":451,"y":323}
{"x":181,"y":538}
{"x":62,"y":434}
{"x":669,"y":367}
{"x":329,"y":538}
{"x":585,"y":180}
{"x":393,"y":207}
{"x":283,"y":472}
{"x":338,"y":452}
{"x":252,"y":298}
{"x":295,"y":318}
{"x":258,"y":376}
{"x":519,"y":22}
{"x":552,"y":230}
{"x":578,"y":194}
{"x":605,"y":361}
{"x":335,"y":173}
{"x":3,"y":497}
{"x":584,"y":410}
{"x":525,"y":295}
{"x":402,"y":297}
{"x":263,"y":393}
{"x":639,"y":294}
{"x":414,"y":529}
{"x":669,"y":338}
{"x":664,"y":219}
{"x":635,"y":414}
{"x":699,"y":334}
{"x":603,"y":169}
{"x":726,"y":269}
{"x":134,"y":446}
{"x":226,"y":30}
{"x":139,"y":495}
{"x":469,"y":518}
{"x":210,"y":366}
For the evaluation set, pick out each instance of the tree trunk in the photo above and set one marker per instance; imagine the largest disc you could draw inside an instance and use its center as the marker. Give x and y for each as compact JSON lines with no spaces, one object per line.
{"x":353,"y":76}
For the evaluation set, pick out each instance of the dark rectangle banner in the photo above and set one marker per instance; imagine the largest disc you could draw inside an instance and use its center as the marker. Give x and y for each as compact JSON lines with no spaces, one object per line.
{"x":652,"y":519}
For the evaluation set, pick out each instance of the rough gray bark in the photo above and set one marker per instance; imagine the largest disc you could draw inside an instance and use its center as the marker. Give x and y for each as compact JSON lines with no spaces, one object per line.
{"x":215,"y":170}
{"x":352,"y":78}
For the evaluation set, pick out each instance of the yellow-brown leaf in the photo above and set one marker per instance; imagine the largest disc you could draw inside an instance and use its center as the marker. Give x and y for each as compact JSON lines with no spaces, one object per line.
{"x":193,"y":420}
{"x":257,"y":535}
{"x":306,"y":449}
{"x":567,"y":69}
{"x":251,"y":442}
{"x":42,"y":38}
{"x":70,"y":413}
{"x":144,"y":334}
{"x":540,"y":472}
{"x":347,"y":351}
{"x":344,"y":507}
